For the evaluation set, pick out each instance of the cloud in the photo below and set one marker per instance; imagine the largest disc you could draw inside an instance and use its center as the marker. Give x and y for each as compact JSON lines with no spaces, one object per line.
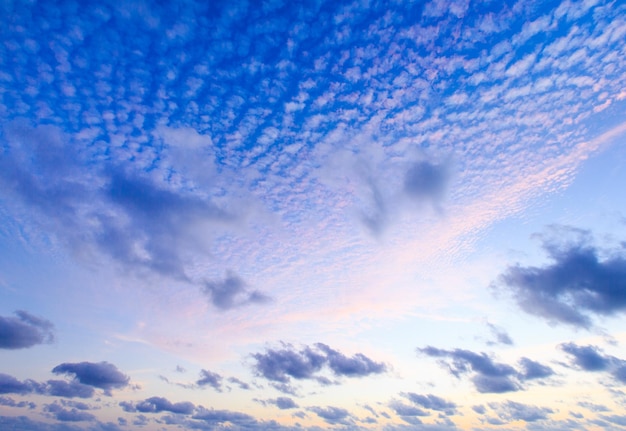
{"x":431,"y":402}
{"x":158,"y":405}
{"x":71,"y":415}
{"x":232,"y":292}
{"x":500,"y":334}
{"x":211,"y":379}
{"x":577,"y":285}
{"x":219,"y":417}
{"x":402,"y":409}
{"x":427,"y":181}
{"x":283,"y":403}
{"x":590,"y":358}
{"x":534,"y":370}
{"x":487,"y":375}
{"x":511,"y":411}
{"x":24,"y":331}
{"x":57,"y":388}
{"x":10,"y":402}
{"x":357,"y":366}
{"x":281,"y":365}
{"x":61,"y":388}
{"x":332,"y":415}
{"x":101,"y":375}
{"x":137,"y":219}
{"x":242,"y":385}
{"x":10,"y":385}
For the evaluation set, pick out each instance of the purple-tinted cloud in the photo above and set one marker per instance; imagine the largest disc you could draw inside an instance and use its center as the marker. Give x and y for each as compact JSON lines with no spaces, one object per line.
{"x":24,"y":330}
{"x":591,"y":358}
{"x":232,"y":292}
{"x":487,"y":375}
{"x":332,"y":415}
{"x":280,"y":365}
{"x":160,"y":404}
{"x":101,"y":375}
{"x":68,"y":415}
{"x":209,"y":378}
{"x":577,"y":285}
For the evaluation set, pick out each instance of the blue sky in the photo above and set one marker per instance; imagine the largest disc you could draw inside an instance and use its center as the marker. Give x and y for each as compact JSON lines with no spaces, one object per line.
{"x":313,"y":215}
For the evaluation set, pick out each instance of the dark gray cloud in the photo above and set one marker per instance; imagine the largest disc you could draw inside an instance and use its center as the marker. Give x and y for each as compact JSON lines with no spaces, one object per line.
{"x":581,"y":281}
{"x":280,"y":365}
{"x":431,"y":402}
{"x":208,"y":378}
{"x":427,"y":181}
{"x":24,"y":330}
{"x":591,"y":358}
{"x":332,"y":415}
{"x":101,"y":375}
{"x":232,"y":292}
{"x":510,"y":411}
{"x":487,"y":375}
{"x":68,"y":415}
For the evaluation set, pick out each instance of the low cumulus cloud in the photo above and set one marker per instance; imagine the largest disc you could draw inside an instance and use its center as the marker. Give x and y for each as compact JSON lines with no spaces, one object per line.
{"x":68,"y":415}
{"x":487,"y":375}
{"x":282,"y":365}
{"x":57,"y":388}
{"x":431,"y":402}
{"x":332,"y":415}
{"x":158,"y":405}
{"x":591,"y":358}
{"x":10,"y":402}
{"x":209,"y":378}
{"x":283,"y":403}
{"x":511,"y":411}
{"x":24,"y":330}
{"x":103,"y":375}
{"x":232,"y":292}
{"x":582,"y":281}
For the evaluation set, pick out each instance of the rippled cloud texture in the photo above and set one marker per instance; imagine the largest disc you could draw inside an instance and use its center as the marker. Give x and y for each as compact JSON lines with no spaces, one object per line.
{"x":278,"y":215}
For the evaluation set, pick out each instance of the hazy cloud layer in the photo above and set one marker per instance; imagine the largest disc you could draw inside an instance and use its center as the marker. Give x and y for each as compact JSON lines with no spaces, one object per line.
{"x":24,"y":330}
{"x":582,"y":281}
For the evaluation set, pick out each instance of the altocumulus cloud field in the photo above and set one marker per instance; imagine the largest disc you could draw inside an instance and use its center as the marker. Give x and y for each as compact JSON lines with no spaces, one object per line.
{"x":319,"y":215}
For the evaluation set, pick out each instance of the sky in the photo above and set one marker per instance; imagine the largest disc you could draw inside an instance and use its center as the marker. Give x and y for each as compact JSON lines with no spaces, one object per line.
{"x":318,"y":215}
